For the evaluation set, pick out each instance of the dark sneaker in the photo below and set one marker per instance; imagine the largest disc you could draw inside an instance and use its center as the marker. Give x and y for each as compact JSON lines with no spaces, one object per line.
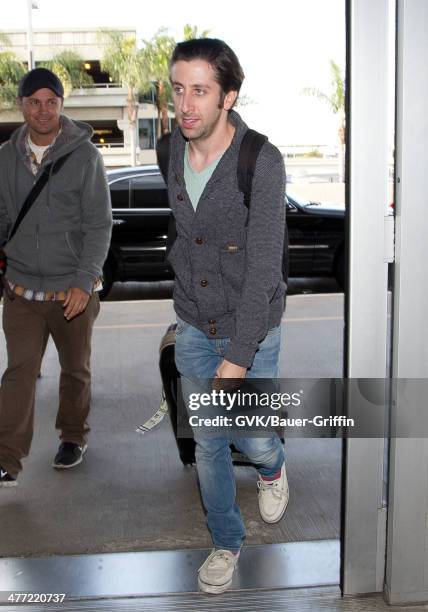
{"x":6,"y":480}
{"x":69,"y":454}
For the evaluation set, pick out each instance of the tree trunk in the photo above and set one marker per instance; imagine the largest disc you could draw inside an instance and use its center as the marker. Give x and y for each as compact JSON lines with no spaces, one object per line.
{"x":341,"y":160}
{"x":132,"y":107}
{"x":162,"y":126}
{"x":158,"y":125}
{"x":133,"y":144}
{"x":159,"y":109}
{"x":165,"y":119}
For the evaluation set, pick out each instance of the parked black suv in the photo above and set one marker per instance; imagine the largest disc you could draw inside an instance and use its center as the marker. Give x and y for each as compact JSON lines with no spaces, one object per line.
{"x":140,"y":223}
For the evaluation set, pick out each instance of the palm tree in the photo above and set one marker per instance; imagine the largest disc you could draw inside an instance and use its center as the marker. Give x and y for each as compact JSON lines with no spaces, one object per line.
{"x":191,"y":32}
{"x":336,"y":100}
{"x":124,"y":62}
{"x":11,"y":72}
{"x":70,"y":69}
{"x":156,"y":55}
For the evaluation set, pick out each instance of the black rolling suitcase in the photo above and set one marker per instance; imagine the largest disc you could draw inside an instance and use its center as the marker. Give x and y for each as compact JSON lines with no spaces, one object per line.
{"x":169,"y":375}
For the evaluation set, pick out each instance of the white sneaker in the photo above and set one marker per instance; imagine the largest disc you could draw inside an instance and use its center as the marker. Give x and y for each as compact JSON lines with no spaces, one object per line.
{"x":273,"y":497}
{"x":215,"y":575}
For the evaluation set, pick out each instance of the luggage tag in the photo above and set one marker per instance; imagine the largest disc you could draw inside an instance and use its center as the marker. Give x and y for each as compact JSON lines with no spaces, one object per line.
{"x":155,"y":419}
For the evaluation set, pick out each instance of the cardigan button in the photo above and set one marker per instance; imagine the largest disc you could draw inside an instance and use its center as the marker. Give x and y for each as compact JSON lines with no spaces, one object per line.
{"x":199,"y":241}
{"x":211,"y":321}
{"x":204,"y":283}
{"x":180,"y":197}
{"x":213,"y":331}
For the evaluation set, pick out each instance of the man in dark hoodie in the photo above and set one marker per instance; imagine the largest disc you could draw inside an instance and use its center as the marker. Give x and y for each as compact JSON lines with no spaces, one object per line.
{"x":54,"y":268}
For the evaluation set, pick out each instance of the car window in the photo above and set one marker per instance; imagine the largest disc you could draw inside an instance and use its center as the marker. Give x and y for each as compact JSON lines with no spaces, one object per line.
{"x":149,"y":192}
{"x":119,"y":191}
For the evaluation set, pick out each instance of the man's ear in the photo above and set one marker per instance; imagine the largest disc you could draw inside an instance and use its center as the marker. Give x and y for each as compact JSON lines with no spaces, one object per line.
{"x":229,"y":100}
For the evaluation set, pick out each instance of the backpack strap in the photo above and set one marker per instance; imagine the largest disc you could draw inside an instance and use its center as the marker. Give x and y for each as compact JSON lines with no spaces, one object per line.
{"x":53,"y":167}
{"x":251,"y":145}
{"x":163,"y":146}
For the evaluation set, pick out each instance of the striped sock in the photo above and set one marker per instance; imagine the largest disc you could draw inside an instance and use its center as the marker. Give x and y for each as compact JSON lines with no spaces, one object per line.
{"x":271,"y":478}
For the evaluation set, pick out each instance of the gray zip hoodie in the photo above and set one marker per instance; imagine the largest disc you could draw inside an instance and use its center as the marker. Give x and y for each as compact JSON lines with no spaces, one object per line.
{"x":64,"y":238}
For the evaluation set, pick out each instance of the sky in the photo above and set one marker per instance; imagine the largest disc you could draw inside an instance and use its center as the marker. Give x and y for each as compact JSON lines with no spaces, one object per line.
{"x":283,"y":46}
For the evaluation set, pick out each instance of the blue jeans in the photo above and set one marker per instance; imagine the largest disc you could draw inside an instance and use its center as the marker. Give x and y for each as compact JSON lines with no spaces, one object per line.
{"x":197,"y":358}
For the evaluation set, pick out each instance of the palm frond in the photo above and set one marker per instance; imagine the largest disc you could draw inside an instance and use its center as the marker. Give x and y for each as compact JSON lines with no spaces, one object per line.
{"x":72,"y":68}
{"x":123,"y":61}
{"x":191,"y":32}
{"x":11,"y":72}
{"x":336,"y":97}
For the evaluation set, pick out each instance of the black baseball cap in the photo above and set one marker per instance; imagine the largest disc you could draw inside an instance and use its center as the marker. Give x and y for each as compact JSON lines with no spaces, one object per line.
{"x":39,"y":78}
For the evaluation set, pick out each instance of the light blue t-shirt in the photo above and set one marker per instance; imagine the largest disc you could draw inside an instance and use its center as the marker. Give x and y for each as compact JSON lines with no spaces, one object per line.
{"x":196,"y":181}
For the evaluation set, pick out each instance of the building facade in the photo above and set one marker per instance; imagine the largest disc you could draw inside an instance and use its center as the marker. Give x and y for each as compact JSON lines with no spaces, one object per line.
{"x":102,"y":104}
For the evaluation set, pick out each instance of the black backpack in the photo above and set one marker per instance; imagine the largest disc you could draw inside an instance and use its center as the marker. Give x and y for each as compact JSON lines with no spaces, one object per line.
{"x":251,"y":145}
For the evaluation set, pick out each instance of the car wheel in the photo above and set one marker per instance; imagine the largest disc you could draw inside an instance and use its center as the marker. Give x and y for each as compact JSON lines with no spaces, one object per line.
{"x":339,"y":269}
{"x":107,"y":279}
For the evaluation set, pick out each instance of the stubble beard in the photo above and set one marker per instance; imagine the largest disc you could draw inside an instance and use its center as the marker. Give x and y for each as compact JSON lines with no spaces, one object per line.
{"x":204,"y":132}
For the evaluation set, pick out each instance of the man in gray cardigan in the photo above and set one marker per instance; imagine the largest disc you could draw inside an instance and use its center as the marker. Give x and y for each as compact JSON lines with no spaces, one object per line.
{"x":229,"y":292}
{"x":54,"y":267}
